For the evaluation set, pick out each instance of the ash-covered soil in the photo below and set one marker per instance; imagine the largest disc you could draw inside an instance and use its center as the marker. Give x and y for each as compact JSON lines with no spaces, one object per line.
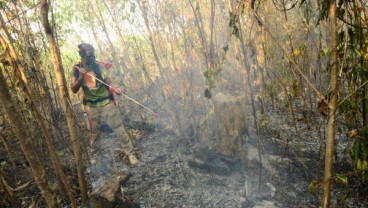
{"x":284,"y":168}
{"x":180,"y":172}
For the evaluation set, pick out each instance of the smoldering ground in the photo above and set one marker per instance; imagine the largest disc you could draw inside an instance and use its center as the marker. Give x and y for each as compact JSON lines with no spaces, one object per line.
{"x":181,"y":164}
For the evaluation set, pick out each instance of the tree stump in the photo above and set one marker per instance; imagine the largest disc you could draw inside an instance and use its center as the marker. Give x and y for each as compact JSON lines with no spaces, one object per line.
{"x":110,"y":195}
{"x":231,"y":124}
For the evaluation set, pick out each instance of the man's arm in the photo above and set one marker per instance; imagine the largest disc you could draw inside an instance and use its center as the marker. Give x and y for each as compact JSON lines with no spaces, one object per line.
{"x":112,"y":88}
{"x":77,"y":79}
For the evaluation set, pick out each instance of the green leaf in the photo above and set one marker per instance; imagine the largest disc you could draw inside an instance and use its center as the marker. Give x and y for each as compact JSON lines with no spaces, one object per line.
{"x":177,"y":151}
{"x":359,"y":164}
{"x":364,"y":165}
{"x":364,"y":151}
{"x":365,"y":131}
{"x":2,"y":4}
{"x":342,"y":178}
{"x":325,"y":52}
{"x":60,"y":153}
{"x":29,"y":113}
{"x":356,"y":151}
{"x":312,"y":187}
{"x":295,"y":88}
{"x":347,"y":195}
{"x":3,"y":166}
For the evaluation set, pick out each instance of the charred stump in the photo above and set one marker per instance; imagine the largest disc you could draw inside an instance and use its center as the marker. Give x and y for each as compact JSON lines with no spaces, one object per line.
{"x":231,"y":125}
{"x":111,"y":195}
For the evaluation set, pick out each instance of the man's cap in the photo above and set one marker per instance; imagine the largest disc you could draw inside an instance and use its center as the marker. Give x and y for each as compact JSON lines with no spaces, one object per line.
{"x":86,"y":49}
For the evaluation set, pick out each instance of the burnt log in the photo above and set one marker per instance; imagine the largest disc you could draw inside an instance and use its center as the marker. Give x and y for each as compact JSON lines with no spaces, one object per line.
{"x":110,"y":194}
{"x":212,"y":162}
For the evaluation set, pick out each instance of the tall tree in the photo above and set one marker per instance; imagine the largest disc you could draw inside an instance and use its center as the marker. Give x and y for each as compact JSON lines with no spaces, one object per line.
{"x":332,"y":105}
{"x":64,"y":97}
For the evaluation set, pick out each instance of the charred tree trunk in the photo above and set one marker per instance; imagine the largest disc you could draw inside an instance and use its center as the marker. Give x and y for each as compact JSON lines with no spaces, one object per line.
{"x":64,"y":97}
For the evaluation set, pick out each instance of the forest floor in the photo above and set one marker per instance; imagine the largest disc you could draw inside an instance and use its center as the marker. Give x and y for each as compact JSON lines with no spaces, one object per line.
{"x":284,"y":168}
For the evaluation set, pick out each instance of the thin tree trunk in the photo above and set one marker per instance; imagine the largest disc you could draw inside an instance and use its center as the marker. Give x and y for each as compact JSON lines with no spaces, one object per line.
{"x":141,"y":61}
{"x":255,"y":117}
{"x":292,"y":50}
{"x":99,"y":16}
{"x":334,"y":88}
{"x":121,"y":36}
{"x":201,"y":33}
{"x":64,"y":97}
{"x":25,"y":141}
{"x":44,"y":97}
{"x":7,"y":39}
{"x":143,"y":8}
{"x":55,"y":159}
{"x":210,"y":60}
{"x":364,"y":74}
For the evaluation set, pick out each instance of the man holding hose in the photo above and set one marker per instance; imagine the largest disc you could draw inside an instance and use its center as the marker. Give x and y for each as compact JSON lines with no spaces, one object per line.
{"x":98,"y":93}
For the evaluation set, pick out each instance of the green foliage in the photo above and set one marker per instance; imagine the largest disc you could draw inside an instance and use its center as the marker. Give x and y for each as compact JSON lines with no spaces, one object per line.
{"x":351,"y":111}
{"x":212,"y":74}
{"x":348,"y":106}
{"x":323,"y":14}
{"x":365,"y":176}
{"x":210,"y":82}
{"x":365,"y":132}
{"x":342,"y":178}
{"x":295,"y":88}
{"x":69,"y":58}
{"x":4,"y":166}
{"x":300,"y":51}
{"x":312,"y":187}
{"x":2,"y":4}
{"x":359,"y":154}
{"x":263,"y":121}
{"x":325,"y":52}
{"x":64,"y":26}
{"x":60,"y":153}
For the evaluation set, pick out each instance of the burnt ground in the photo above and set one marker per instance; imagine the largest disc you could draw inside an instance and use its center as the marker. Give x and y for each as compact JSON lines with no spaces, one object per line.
{"x":182,"y":170}
{"x":280,"y":172}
